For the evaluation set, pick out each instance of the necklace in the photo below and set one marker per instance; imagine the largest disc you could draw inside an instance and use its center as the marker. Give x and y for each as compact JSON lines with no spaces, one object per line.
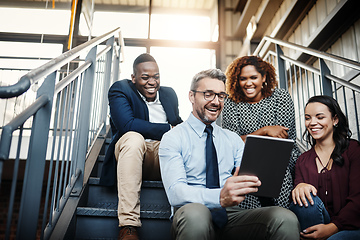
{"x":324,"y":167}
{"x":324,"y":170}
{"x":318,"y":152}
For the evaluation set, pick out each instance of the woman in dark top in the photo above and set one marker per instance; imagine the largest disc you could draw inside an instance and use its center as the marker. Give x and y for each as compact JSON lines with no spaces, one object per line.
{"x":326,"y":198}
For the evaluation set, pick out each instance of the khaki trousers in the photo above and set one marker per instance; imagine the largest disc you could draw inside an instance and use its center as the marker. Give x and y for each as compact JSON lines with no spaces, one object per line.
{"x":137,"y":160}
{"x":193,"y":221}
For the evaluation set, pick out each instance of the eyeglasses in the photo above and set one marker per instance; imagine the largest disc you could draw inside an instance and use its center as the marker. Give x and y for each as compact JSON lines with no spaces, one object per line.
{"x":209,"y":96}
{"x":147,"y":77}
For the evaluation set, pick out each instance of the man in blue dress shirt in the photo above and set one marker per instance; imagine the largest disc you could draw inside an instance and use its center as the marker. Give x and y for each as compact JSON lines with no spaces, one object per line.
{"x":182,"y":157}
{"x":141,"y":112}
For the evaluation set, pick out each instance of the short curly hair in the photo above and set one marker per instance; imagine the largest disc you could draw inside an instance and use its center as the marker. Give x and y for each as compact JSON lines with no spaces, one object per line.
{"x":233,"y":73}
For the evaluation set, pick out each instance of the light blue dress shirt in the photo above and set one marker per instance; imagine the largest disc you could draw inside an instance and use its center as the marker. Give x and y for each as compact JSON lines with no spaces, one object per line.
{"x":183,"y":164}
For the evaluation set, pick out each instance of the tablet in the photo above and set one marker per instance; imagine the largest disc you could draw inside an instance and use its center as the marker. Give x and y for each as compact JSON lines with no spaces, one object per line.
{"x":267,"y":158}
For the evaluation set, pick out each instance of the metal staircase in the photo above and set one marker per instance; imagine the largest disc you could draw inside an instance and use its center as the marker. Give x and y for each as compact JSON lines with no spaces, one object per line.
{"x":61,"y":139}
{"x":96,"y":216}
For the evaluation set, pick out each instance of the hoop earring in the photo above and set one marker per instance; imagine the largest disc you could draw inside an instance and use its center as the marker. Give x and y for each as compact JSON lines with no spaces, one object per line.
{"x":335,"y":125}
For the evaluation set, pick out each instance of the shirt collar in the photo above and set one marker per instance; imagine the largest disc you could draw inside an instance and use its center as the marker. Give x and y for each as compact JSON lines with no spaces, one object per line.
{"x":198,"y":125}
{"x":157,"y":100}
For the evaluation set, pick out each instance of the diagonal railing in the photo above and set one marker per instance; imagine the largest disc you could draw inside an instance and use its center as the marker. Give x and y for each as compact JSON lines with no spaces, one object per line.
{"x":322,"y":73}
{"x":66,"y":119}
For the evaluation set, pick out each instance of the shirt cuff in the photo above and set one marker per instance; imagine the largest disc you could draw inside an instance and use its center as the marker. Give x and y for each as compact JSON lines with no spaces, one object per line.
{"x":212,"y":198}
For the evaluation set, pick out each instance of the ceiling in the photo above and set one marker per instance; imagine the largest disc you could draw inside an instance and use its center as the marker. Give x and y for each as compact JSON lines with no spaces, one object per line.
{"x":158,"y":6}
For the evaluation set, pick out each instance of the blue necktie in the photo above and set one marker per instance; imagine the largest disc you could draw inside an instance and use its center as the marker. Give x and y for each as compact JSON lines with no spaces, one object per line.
{"x":219,"y":216}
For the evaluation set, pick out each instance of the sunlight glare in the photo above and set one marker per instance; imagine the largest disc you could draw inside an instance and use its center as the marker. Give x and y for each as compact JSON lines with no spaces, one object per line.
{"x":180,"y":27}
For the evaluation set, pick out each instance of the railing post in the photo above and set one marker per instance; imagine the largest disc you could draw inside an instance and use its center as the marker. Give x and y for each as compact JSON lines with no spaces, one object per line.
{"x":107,"y":79}
{"x":281,"y":68}
{"x":35,"y":164}
{"x":116,"y":67}
{"x":326,"y":83}
{"x":84,"y":121}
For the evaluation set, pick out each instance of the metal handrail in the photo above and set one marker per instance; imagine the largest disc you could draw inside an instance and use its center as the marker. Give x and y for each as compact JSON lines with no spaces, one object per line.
{"x":66,"y":80}
{"x":343,"y":82}
{"x":7,"y":130}
{"x":62,"y":133}
{"x":317,"y":71}
{"x":327,"y":56}
{"x":35,"y":75}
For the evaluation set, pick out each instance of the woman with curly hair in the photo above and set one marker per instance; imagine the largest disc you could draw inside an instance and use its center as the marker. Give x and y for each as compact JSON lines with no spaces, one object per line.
{"x":326,"y":198}
{"x":256,"y":106}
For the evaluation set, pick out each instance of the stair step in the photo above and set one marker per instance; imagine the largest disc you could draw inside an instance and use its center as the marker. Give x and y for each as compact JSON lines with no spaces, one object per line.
{"x":151,"y":192}
{"x":107,"y":228}
{"x":155,"y":211}
{"x":148,"y":184}
{"x":98,"y":218}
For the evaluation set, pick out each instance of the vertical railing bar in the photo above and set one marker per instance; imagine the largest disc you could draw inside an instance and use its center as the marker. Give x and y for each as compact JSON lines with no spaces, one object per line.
{"x":107,"y":81}
{"x":301,"y":108}
{"x":320,"y":85}
{"x":325,"y":82}
{"x":100,"y":84}
{"x":335,"y":90}
{"x":67,"y":109}
{"x":53,"y":195}
{"x":73,"y":97}
{"x":313,"y":81}
{"x":297,"y":88}
{"x":13,"y":184}
{"x":291,"y":80}
{"x":95,"y":100}
{"x":77,"y":122}
{"x":92,"y":104}
{"x":116,"y":64}
{"x":61,"y":116}
{"x":308,"y":92}
{"x":4,"y":116}
{"x":356,"y":116}
{"x":97,"y":79}
{"x":47,"y":195}
{"x":307,"y":84}
{"x":281,"y":68}
{"x":97,"y":108}
{"x":48,"y":185}
{"x":345,"y":104}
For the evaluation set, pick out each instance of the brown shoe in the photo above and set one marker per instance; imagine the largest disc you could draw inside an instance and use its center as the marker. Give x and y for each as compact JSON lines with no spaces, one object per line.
{"x":128,"y":233}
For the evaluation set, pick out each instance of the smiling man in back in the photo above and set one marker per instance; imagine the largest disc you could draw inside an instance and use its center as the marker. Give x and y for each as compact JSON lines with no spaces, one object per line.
{"x":141,"y":112}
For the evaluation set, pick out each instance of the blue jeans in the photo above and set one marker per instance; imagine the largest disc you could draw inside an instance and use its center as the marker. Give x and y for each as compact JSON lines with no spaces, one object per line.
{"x":317,"y":214}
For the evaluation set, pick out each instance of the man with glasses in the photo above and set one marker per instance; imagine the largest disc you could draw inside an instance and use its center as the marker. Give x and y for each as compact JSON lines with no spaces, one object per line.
{"x":197,"y":160}
{"x":141,"y":112}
